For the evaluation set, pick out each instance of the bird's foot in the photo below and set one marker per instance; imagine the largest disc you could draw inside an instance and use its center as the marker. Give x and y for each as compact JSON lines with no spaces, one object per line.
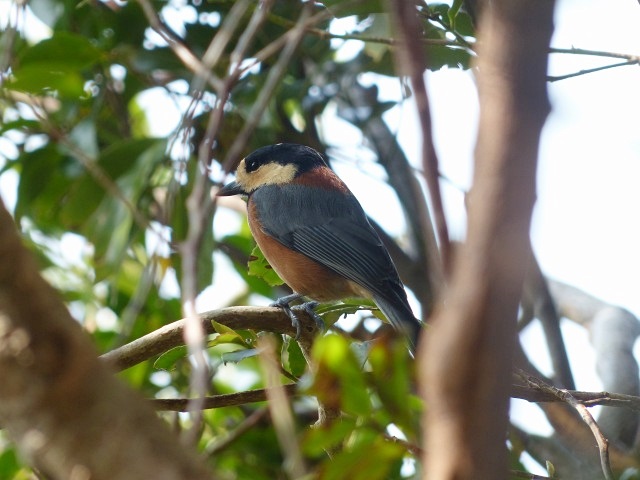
{"x":308,"y":307}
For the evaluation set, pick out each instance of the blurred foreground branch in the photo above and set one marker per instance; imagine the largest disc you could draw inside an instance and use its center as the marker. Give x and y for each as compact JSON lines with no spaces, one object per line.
{"x":58,"y":401}
{"x":468,"y":354}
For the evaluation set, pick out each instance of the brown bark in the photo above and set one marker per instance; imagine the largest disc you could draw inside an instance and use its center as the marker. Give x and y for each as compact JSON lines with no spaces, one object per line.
{"x":66,"y":412}
{"x":467,"y":359}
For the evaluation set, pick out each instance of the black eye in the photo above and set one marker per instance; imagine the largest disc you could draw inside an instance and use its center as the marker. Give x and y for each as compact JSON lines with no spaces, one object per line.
{"x":252,"y":165}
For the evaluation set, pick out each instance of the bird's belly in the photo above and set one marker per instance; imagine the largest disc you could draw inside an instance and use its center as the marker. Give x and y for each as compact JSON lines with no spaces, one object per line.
{"x":304,"y":275}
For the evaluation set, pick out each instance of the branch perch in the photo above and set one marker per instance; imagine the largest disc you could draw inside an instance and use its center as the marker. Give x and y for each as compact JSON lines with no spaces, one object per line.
{"x":270,"y":319}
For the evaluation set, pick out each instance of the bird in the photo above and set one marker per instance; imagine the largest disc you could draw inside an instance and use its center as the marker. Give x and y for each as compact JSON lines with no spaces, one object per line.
{"x":316,"y":236}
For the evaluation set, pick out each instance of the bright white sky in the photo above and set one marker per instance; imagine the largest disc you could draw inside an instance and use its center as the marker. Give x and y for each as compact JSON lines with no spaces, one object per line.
{"x":586,"y":228}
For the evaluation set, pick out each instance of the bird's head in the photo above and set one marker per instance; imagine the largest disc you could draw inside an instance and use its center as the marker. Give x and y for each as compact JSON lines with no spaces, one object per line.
{"x":272,"y":165}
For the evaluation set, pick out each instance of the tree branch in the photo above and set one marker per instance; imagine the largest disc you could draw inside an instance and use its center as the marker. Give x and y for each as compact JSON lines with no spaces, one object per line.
{"x":568,"y":398}
{"x":184,"y":54}
{"x":57,"y":401}
{"x":537,"y":295}
{"x":468,"y":354}
{"x":589,"y":399}
{"x":410,"y":60}
{"x":269,"y":319}
{"x":219,"y":401}
{"x":592,"y":70}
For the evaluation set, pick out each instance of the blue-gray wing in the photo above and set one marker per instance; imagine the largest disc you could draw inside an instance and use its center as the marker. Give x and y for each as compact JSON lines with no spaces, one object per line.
{"x":331,"y":228}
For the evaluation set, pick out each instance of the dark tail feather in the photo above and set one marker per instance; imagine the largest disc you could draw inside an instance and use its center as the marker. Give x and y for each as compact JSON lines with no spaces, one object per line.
{"x":401,"y":317}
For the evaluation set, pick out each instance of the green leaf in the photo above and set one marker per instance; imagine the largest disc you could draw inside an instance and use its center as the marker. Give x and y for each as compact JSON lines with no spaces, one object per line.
{"x":453,"y":13}
{"x":39,"y":79}
{"x":391,"y":369}
{"x":9,"y":464}
{"x":109,"y":230}
{"x":341,"y":9}
{"x":439,"y":56}
{"x":259,"y":267}
{"x":339,"y":381}
{"x":20,"y":124}
{"x":368,"y":460}
{"x":223,"y":329}
{"x":328,"y":438}
{"x":380,"y":27}
{"x":293,"y":358}
{"x":239,"y":355}
{"x":167,"y":361}
{"x":63,"y":51}
{"x":55,"y":64}
{"x":39,"y":196}
{"x":84,"y":137}
{"x":331,"y":312}
{"x":551,"y":469}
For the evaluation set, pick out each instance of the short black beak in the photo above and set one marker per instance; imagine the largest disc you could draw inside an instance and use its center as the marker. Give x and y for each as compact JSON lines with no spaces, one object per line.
{"x":233,"y":188}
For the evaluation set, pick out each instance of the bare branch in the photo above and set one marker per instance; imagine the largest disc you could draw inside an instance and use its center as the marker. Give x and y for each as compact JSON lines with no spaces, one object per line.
{"x":594,"y":53}
{"x":536,"y":294}
{"x":268,"y":319}
{"x":592,"y":70}
{"x":567,"y":397}
{"x":219,"y":401}
{"x":588,"y":399}
{"x":246,"y":425}
{"x":410,"y":61}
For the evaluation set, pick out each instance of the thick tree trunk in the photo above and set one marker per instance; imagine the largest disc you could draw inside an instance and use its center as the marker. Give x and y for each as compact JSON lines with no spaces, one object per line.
{"x":467,"y":359}
{"x":67,"y":413}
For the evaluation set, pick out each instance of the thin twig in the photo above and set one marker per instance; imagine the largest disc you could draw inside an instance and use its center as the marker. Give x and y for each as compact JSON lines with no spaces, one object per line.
{"x":278,"y":44}
{"x":382,"y":40}
{"x":593,"y":53}
{"x":218,"y":401}
{"x":592,"y":70}
{"x":538,"y":297}
{"x":568,"y":398}
{"x":246,"y":425}
{"x":411,"y":57}
{"x":181,"y":51}
{"x":200,"y":208}
{"x":589,"y":399}
{"x":255,"y":23}
{"x":270,"y":85}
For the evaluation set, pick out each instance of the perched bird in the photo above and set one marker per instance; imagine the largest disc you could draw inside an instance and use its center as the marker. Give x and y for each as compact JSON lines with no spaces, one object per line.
{"x":315,"y":234}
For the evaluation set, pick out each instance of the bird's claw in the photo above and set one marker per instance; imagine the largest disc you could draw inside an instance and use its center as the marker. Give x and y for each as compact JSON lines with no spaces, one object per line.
{"x":308,"y":307}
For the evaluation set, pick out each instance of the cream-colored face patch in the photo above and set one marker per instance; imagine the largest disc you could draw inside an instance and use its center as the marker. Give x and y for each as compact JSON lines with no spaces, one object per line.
{"x":267,"y":174}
